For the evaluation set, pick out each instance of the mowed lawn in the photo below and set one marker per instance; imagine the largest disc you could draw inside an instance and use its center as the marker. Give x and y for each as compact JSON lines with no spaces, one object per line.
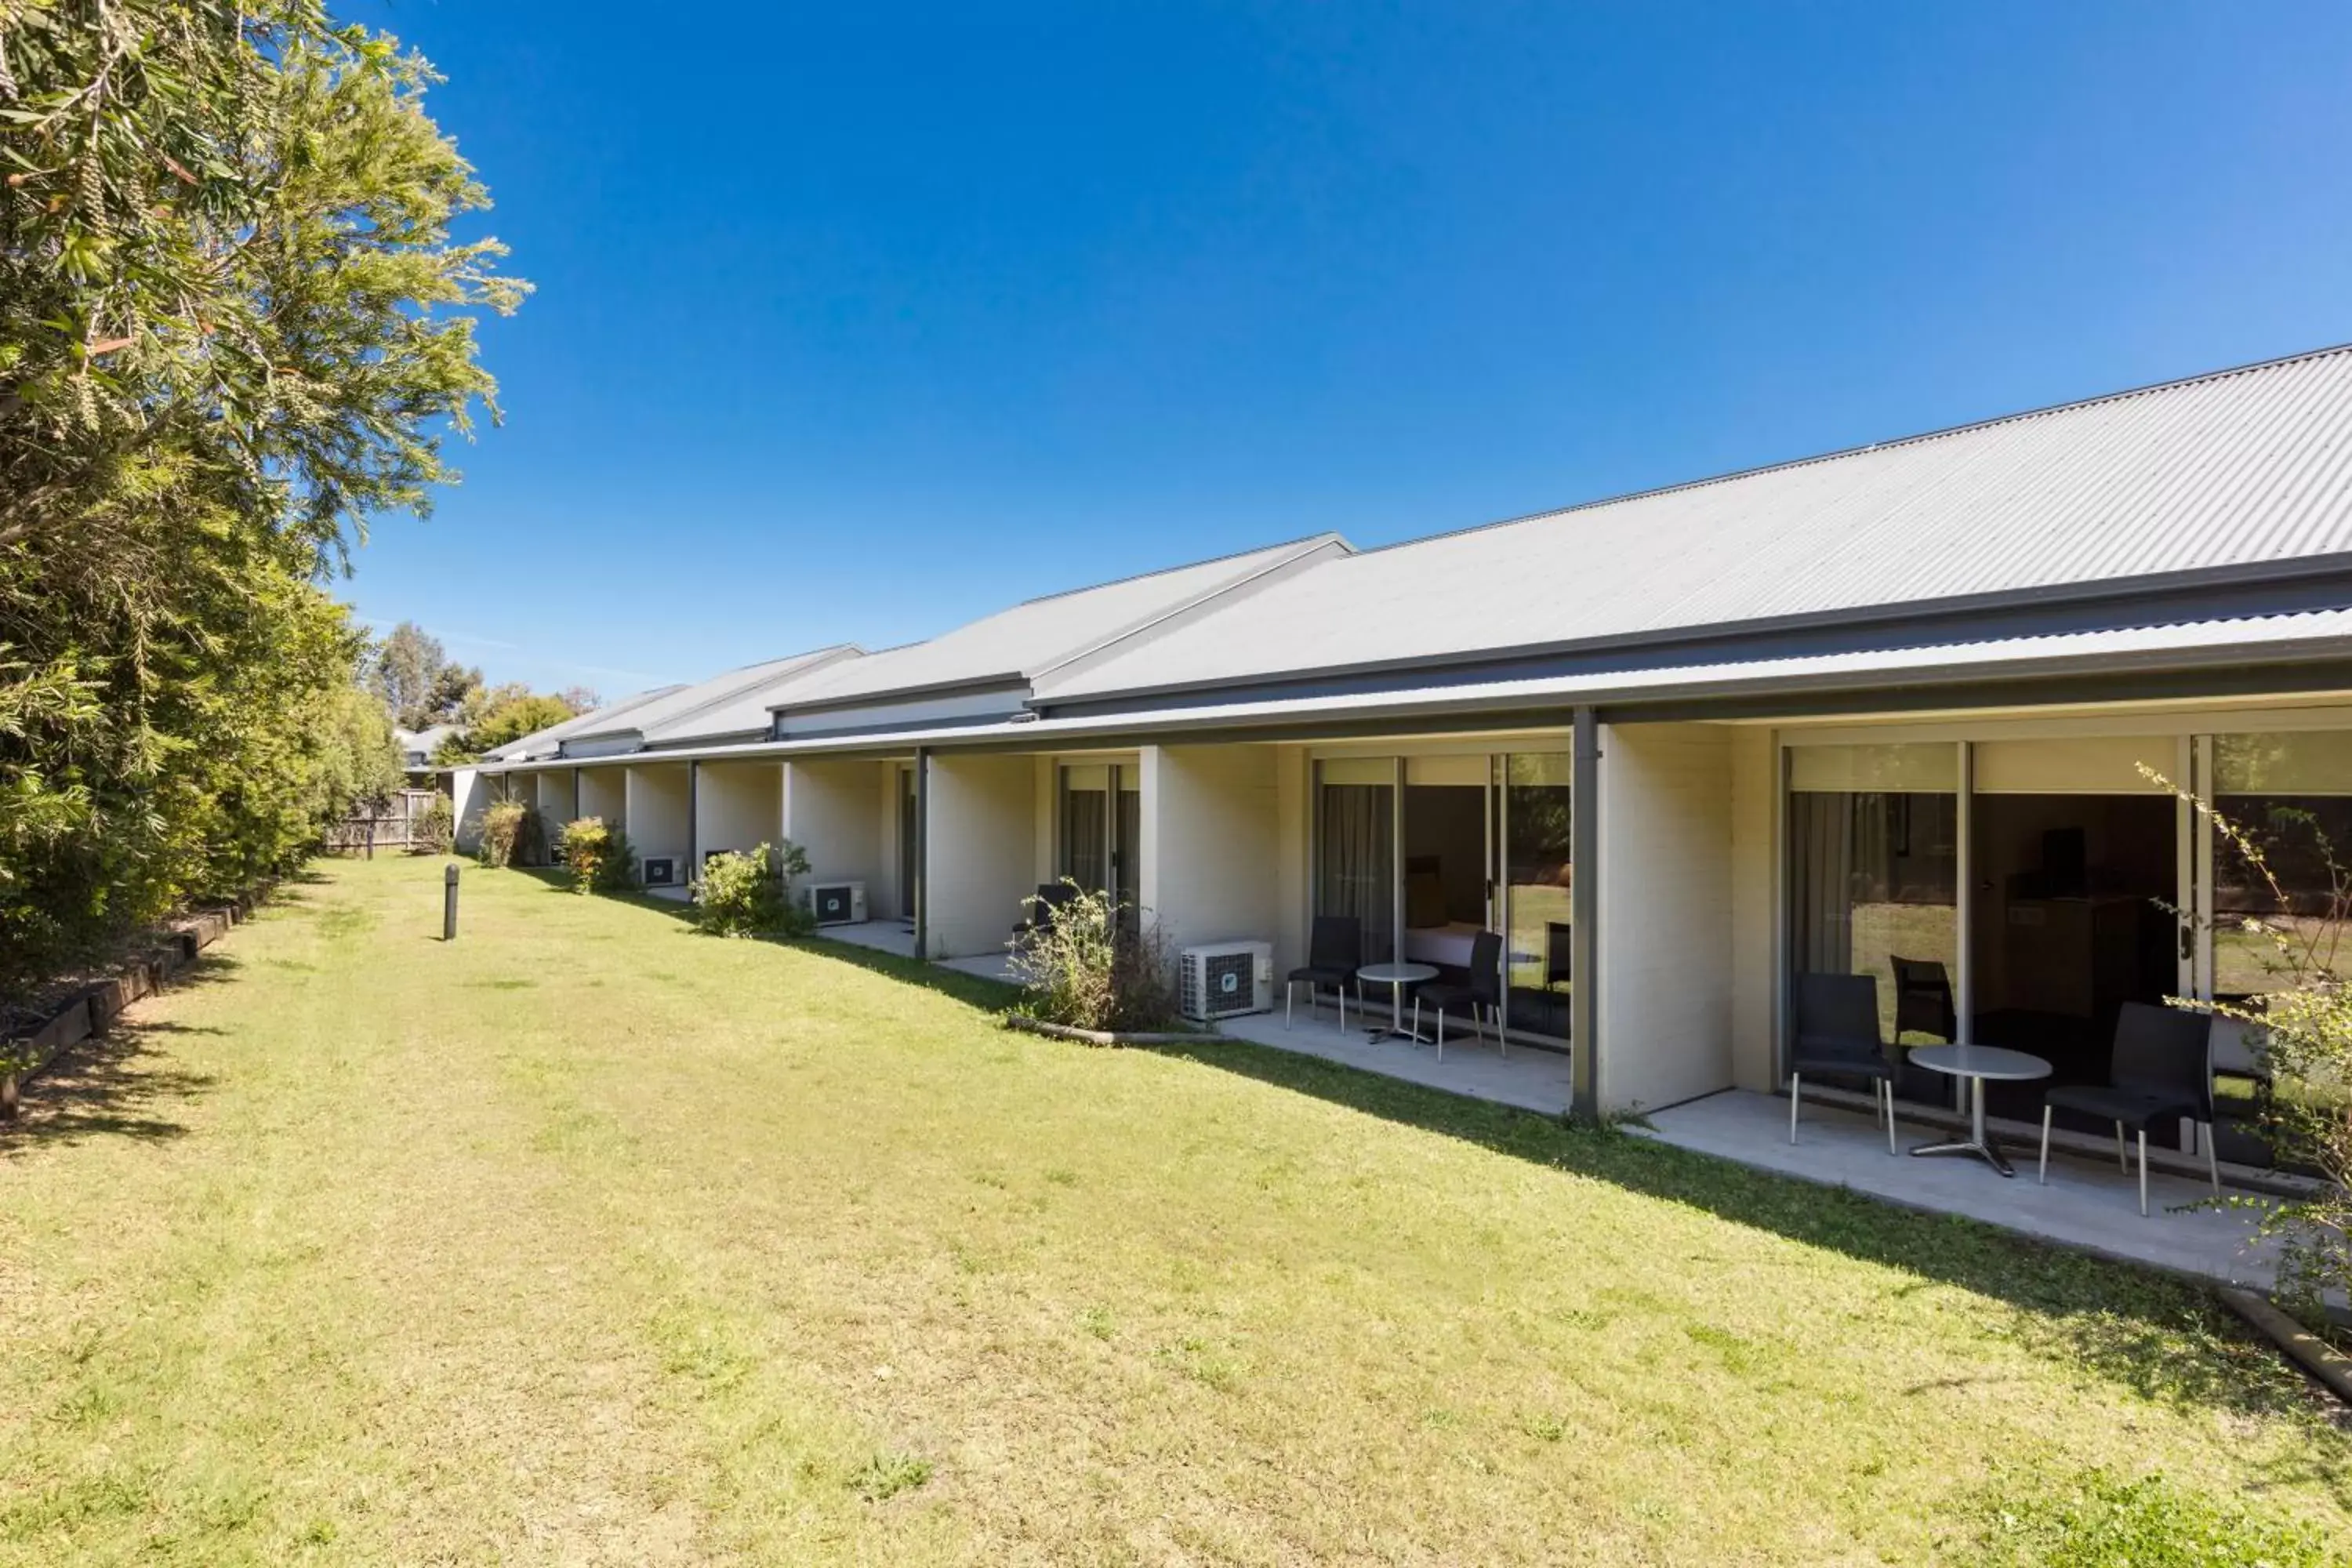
{"x":587,"y":1239}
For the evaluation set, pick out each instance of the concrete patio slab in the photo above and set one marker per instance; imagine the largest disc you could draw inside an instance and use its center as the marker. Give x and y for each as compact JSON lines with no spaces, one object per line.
{"x":898,"y":938}
{"x":2088,"y":1204}
{"x":1527,"y":1077}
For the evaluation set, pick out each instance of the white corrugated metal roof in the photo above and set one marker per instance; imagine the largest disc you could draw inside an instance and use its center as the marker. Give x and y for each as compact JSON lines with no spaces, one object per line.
{"x":2256,"y":639}
{"x":2237,"y":469}
{"x":579,"y":724}
{"x":725,"y":704}
{"x":1031,"y":639}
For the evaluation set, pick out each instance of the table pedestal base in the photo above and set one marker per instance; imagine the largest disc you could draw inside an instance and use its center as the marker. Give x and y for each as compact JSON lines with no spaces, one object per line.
{"x":1987,"y":1149}
{"x":1978,"y":1142}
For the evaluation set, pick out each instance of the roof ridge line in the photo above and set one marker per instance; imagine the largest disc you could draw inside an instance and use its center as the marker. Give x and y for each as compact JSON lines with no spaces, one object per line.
{"x":1891,"y":443}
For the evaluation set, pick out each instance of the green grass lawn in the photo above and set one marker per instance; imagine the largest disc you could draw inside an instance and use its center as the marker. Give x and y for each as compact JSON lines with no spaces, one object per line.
{"x":587,"y":1239}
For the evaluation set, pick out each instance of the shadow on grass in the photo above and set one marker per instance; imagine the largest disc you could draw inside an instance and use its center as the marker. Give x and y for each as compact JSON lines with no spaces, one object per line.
{"x":121,"y":1085}
{"x":2165,"y":1338}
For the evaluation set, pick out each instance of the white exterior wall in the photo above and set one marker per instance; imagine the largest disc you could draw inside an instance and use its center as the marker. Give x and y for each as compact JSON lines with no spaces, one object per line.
{"x":738,"y":805}
{"x":834,"y":813}
{"x":981,"y":850}
{"x":1665,"y":906}
{"x":654,"y":804}
{"x":1755,"y":892}
{"x":559,"y":802}
{"x":603,"y":793}
{"x":1295,"y":818}
{"x":1211,"y":843}
{"x":469,"y":797}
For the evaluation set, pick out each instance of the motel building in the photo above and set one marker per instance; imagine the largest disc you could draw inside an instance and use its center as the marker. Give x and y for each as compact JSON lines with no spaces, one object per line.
{"x":1658,"y":789}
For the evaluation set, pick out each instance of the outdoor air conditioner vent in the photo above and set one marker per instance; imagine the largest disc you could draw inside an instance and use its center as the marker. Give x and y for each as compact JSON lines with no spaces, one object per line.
{"x":663,"y":871}
{"x":1225,"y":979}
{"x":838,"y":903}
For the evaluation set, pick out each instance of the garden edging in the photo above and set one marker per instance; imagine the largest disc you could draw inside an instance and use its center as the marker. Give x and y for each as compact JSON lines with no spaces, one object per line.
{"x":1102,"y":1036}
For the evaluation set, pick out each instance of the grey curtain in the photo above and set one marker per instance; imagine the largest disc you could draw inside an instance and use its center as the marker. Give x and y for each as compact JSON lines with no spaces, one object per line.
{"x":1356,"y":863}
{"x":1085,"y":824}
{"x":1820,"y":881}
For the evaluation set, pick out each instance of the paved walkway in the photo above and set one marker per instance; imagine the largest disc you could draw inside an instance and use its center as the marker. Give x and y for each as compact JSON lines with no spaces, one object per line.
{"x":1530,"y":1078}
{"x":898,"y":937}
{"x":2088,"y":1204}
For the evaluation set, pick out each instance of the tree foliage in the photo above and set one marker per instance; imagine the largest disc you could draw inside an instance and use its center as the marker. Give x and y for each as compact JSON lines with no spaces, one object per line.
{"x":419,"y":685}
{"x":233,"y":326}
{"x":492,"y":718}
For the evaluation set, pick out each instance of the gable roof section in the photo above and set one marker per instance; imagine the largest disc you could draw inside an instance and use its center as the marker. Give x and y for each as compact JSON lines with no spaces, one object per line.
{"x":1031,"y":639}
{"x":544,"y":742}
{"x":2241,"y":469}
{"x":711,"y":707}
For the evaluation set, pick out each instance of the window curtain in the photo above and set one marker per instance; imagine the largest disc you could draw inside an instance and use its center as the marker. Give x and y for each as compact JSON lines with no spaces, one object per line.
{"x":1084,"y":822}
{"x":1356,"y":863}
{"x":1820,"y":881}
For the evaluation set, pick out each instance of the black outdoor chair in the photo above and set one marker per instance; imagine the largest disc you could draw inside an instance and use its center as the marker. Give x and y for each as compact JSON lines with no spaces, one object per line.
{"x":1334,"y":948}
{"x":1482,"y":994}
{"x":1048,"y":901}
{"x":1559,"y":941}
{"x":1837,"y":1033}
{"x":1923,"y":999}
{"x":2161,"y":1068}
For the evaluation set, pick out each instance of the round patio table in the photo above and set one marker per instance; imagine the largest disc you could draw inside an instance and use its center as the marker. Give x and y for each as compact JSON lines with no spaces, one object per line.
{"x":1976,"y":1064}
{"x":1396,"y":977}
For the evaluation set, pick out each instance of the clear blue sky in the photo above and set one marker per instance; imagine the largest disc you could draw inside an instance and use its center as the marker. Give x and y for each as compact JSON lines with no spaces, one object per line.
{"x":856,"y":321}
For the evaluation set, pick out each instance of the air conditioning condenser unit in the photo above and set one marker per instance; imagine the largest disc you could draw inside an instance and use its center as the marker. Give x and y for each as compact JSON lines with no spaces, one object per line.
{"x":662,"y":871}
{"x":837,"y":904}
{"x":1225,"y":979}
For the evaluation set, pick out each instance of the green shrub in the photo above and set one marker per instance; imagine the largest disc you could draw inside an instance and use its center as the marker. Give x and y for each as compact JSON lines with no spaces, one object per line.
{"x":1090,"y":968}
{"x":2099,"y":1519}
{"x":750,"y":894}
{"x":506,"y":826}
{"x":433,"y":832}
{"x":598,"y":856}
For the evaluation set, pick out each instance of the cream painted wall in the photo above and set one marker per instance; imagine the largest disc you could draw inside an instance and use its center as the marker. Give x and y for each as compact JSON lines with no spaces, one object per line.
{"x":558,"y":801}
{"x":655,"y":807}
{"x":1755,"y":837}
{"x":1293,"y":898}
{"x":981,"y":848}
{"x":833,"y":811}
{"x":1665,"y":904}
{"x":603,"y":793}
{"x":1211,"y":843}
{"x":738,"y":805}
{"x":469,"y":797}
{"x":1045,"y":796}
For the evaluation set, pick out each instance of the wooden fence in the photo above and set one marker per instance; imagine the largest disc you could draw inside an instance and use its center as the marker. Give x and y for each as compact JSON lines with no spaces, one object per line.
{"x":394,"y":824}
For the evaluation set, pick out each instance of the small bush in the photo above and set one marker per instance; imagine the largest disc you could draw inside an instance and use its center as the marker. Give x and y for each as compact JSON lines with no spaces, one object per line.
{"x":598,"y":856}
{"x":433,"y":832}
{"x":750,"y":894}
{"x":1090,"y":968}
{"x":507,"y":826}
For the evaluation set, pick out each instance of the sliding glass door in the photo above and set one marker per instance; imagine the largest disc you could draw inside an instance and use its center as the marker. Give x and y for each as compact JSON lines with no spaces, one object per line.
{"x":1085,"y":830}
{"x":1426,"y":853}
{"x":1355,"y":850}
{"x":1537,"y":815}
{"x":1874,"y":884}
{"x":1100,"y":828}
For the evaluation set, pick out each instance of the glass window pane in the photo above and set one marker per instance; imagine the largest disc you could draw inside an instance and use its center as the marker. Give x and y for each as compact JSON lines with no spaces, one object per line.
{"x":1933,"y":766}
{"x":1086,"y":830}
{"x":2290,"y":795}
{"x":1873,"y":877}
{"x":1537,"y":816}
{"x":1354,"y":858}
